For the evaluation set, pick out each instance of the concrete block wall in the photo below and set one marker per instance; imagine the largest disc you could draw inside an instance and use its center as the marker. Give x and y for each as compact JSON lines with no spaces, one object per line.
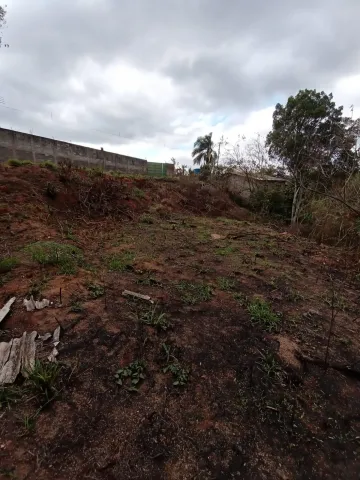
{"x":24,"y":146}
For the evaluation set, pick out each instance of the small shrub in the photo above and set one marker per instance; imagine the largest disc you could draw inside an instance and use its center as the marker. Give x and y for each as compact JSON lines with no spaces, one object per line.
{"x":273,"y":201}
{"x":224,"y":251}
{"x":146,"y":218}
{"x":42,"y":378}
{"x":67,"y":257}
{"x":155,"y":319}
{"x":76,"y":307}
{"x":138,"y":192}
{"x":19,"y":163}
{"x":49,"y":165}
{"x":192,"y":293}
{"x":96,"y":290}
{"x":131,"y":376}
{"x":262,"y":314}
{"x":96,"y":172}
{"x":7,"y":264}
{"x":8,"y":396}
{"x":51,"y":190}
{"x":226,"y":284}
{"x":180,"y":374}
{"x":119,"y":262}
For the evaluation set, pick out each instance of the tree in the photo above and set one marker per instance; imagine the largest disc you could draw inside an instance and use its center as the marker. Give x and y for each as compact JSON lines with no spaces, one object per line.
{"x":2,"y":22}
{"x":313,"y":140}
{"x":204,"y":151}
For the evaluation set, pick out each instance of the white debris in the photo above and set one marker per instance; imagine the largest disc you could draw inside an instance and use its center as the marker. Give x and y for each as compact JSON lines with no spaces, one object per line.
{"x":6,"y":308}
{"x":17,"y":356}
{"x":53,"y":355}
{"x":129,"y":293}
{"x":32,"y":304}
{"x":56,"y":335}
{"x":45,"y":337}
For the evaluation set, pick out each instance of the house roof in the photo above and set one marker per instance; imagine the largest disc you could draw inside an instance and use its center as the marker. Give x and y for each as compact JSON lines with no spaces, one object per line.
{"x":259,"y":178}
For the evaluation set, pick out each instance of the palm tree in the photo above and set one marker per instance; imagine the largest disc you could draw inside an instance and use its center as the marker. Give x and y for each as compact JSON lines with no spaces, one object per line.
{"x":204,"y":151}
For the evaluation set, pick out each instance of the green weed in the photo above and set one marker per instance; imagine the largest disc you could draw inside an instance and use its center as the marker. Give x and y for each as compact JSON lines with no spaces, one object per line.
{"x":96,"y":290}
{"x":49,"y":165}
{"x":241,"y":298}
{"x":8,"y":396}
{"x":269,"y":365}
{"x":42,"y":379}
{"x":76,"y":307}
{"x":19,"y":163}
{"x":119,"y":262}
{"x":180,"y":374}
{"x":7,"y":264}
{"x":192,"y":293}
{"x":36,"y":287}
{"x":146,"y":218}
{"x":138,"y":192}
{"x":155,"y":318}
{"x":262,"y":314}
{"x":67,"y":257}
{"x":226,"y":284}
{"x":224,"y":251}
{"x":131,"y":376}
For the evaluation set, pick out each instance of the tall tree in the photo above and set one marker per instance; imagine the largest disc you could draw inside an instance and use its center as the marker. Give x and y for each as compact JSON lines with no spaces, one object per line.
{"x":2,"y":21}
{"x":311,"y":137}
{"x":204,"y":152}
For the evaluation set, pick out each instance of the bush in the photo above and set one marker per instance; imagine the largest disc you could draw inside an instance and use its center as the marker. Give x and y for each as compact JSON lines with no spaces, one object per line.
{"x":49,"y":165}
{"x":19,"y":163}
{"x":273,"y":201}
{"x":67,"y":257}
{"x":7,"y":264}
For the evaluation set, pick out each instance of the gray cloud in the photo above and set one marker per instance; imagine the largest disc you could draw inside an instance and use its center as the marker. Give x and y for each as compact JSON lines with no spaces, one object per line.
{"x":223,"y":58}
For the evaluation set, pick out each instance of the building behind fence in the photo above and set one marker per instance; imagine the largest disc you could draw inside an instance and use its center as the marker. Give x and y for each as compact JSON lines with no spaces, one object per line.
{"x":25,"y":146}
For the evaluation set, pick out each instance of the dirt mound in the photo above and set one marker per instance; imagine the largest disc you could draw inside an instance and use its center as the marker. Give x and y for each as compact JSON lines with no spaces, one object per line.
{"x":95,"y":194}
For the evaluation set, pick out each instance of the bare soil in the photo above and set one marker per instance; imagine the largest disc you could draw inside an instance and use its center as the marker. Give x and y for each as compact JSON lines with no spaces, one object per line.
{"x":257,"y":404}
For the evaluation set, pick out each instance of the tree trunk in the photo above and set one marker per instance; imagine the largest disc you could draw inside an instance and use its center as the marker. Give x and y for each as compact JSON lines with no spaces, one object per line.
{"x":297,"y":199}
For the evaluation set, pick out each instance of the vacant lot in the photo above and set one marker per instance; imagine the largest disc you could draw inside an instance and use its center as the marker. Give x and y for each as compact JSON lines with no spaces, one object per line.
{"x":232,"y":372}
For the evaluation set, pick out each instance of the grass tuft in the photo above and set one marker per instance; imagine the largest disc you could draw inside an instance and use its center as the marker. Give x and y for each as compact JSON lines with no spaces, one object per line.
{"x":262,"y":314}
{"x":7,"y":264}
{"x":42,"y":379}
{"x":119,"y":262}
{"x":192,"y":293}
{"x":13,"y":162}
{"x":226,"y":284}
{"x":67,"y":257}
{"x":155,"y":318}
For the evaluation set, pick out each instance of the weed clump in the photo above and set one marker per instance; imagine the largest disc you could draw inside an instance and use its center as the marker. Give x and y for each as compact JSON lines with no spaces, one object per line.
{"x":121,"y":261}
{"x":192,"y":293}
{"x":131,"y":376}
{"x":7,"y":264}
{"x":67,"y":257}
{"x":262,"y":314}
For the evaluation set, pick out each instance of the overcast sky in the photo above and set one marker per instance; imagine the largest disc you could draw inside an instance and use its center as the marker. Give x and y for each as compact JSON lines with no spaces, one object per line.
{"x":146,"y":77}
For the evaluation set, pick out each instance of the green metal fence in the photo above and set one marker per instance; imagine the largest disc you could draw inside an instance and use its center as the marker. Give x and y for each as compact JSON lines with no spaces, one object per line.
{"x":155,"y":169}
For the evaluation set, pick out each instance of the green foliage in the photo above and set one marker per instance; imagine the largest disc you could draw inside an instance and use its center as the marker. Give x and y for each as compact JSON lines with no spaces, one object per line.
{"x":42,"y":379}
{"x":8,"y":396}
{"x":192,"y":293}
{"x":241,"y":298}
{"x":67,"y":257}
{"x":49,"y":165}
{"x":204,"y":150}
{"x":7,"y":264}
{"x":76,"y":307}
{"x":155,"y":318}
{"x":19,"y":163}
{"x":302,"y":130}
{"x":138,"y":192}
{"x":180,"y":374}
{"x":275,"y":201}
{"x":96,"y":290}
{"x":131,"y":376}
{"x":36,"y":287}
{"x":225,"y":251}
{"x":270,"y":366}
{"x":262,"y":314}
{"x":226,"y":284}
{"x":119,"y":262}
{"x":146,"y":218}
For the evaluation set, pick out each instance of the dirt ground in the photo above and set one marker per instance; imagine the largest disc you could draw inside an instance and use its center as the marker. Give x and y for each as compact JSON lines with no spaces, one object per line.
{"x":256,"y":399}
